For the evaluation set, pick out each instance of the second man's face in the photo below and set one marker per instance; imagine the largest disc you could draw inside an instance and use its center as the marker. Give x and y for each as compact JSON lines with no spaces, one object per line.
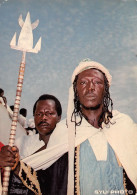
{"x":46,"y":117}
{"x":90,"y":88}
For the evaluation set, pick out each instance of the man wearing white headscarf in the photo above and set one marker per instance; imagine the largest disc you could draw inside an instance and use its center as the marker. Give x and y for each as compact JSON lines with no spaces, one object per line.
{"x":111,"y":141}
{"x":100,"y":141}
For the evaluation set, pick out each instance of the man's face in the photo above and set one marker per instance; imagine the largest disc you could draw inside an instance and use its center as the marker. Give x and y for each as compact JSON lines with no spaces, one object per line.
{"x":90,"y":88}
{"x":46,"y":117}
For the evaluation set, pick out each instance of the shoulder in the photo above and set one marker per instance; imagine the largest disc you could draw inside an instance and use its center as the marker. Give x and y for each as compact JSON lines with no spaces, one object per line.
{"x":59,"y":134}
{"x":119,"y":117}
{"x":28,"y":144}
{"x":61,"y":126}
{"x":121,"y":124}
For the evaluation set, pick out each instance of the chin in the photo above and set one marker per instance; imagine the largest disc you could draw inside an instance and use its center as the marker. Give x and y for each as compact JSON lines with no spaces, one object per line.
{"x":91,"y":106}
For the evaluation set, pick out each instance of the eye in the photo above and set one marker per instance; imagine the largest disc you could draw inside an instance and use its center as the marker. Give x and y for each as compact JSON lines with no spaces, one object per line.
{"x":83,"y":82}
{"x":49,"y":113}
{"x":38,"y":114}
{"x":97,"y":82}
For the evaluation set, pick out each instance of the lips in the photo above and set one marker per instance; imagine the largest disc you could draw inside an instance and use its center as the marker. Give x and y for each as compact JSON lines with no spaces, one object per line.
{"x":45,"y":125}
{"x":90,"y":96}
{"x":42,"y":124}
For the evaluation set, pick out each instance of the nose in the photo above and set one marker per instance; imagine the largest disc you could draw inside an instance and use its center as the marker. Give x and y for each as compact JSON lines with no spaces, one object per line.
{"x":91,"y":86}
{"x":44,"y":116}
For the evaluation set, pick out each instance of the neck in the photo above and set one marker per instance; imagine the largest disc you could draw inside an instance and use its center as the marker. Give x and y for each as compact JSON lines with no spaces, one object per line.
{"x":45,"y":138}
{"x":92,"y":115}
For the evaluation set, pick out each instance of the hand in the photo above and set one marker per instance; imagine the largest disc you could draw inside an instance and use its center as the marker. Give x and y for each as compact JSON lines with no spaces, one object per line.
{"x":9,"y":157}
{"x":17,"y":157}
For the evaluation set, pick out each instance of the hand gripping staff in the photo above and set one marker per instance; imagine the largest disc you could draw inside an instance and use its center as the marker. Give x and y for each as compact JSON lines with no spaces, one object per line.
{"x":25,"y":44}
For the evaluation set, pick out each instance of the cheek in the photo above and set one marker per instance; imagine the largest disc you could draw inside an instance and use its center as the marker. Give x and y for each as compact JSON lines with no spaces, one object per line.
{"x":81,"y":91}
{"x":101,"y":93}
{"x":36,"y":121}
{"x":54,"y":122}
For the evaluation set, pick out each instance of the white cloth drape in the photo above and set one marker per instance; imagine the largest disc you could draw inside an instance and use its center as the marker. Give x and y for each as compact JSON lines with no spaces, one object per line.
{"x":121,"y":135}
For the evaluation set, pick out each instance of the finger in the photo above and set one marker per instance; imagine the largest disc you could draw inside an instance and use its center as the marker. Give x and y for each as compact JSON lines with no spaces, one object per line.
{"x":6,"y":153}
{"x":9,"y":160}
{"x":7,"y":150}
{"x":16,"y":163}
{"x":4,"y":148}
{"x":14,"y":149}
{"x":7,"y":164}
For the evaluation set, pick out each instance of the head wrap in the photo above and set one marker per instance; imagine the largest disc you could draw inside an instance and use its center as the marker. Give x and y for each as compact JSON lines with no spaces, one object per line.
{"x":83,"y":65}
{"x":88,"y":64}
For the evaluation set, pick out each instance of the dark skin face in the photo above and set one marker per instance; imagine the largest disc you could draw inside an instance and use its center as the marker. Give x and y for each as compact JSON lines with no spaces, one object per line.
{"x":90,"y":91}
{"x":46,"y":118}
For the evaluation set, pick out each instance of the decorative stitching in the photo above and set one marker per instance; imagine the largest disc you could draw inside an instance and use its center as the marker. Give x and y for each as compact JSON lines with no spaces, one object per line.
{"x":76,"y":171}
{"x":124,"y":183}
{"x":29,"y":178}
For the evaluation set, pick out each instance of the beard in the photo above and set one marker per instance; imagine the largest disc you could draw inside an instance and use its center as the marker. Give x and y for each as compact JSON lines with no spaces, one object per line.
{"x":91,"y":108}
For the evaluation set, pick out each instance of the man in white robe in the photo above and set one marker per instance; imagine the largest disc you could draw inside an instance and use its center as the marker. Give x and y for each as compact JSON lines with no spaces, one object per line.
{"x":116,"y":129}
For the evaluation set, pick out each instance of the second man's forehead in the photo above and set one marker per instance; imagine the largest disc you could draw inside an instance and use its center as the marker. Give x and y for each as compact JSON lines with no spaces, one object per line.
{"x":91,"y":72}
{"x":47,"y":102}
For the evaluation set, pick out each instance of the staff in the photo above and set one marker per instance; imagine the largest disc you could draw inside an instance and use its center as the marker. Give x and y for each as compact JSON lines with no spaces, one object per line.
{"x":25,"y":44}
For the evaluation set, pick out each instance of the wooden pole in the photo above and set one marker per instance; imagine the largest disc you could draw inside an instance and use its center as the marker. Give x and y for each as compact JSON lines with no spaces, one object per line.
{"x":14,"y":121}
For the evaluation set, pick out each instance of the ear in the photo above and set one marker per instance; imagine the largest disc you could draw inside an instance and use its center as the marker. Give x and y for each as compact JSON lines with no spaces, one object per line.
{"x":59,"y":118}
